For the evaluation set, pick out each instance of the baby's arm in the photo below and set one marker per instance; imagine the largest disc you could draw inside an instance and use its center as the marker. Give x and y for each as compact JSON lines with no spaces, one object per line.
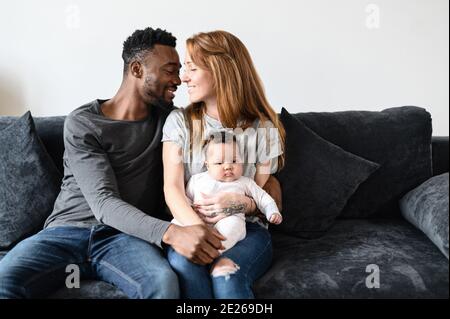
{"x":264,"y":201}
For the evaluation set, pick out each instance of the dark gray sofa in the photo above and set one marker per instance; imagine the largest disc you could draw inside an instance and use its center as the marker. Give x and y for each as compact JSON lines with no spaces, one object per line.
{"x":332,"y":266}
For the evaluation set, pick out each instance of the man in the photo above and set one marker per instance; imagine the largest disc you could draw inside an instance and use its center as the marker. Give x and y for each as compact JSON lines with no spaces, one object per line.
{"x":107,"y":217}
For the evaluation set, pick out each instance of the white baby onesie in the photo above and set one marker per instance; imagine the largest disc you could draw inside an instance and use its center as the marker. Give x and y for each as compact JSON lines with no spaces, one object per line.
{"x":232,"y":227}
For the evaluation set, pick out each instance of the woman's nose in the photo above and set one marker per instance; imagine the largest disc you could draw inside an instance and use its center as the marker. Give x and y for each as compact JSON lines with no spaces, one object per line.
{"x":184,"y":77}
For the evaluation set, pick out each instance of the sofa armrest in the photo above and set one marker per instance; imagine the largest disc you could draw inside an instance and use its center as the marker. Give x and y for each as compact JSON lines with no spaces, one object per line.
{"x":439,"y":146}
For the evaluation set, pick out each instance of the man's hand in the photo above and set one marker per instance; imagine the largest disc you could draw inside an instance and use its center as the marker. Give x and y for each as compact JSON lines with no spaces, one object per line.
{"x":198,"y":243}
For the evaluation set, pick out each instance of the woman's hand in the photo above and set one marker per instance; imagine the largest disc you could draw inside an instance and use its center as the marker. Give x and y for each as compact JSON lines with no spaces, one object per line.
{"x":213,"y":208}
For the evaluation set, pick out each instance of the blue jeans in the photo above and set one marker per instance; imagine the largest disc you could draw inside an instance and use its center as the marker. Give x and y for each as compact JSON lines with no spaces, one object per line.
{"x":253,"y":255}
{"x":37,"y":265}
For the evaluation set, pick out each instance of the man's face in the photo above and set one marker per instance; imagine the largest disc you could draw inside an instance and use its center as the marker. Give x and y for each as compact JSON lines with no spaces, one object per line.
{"x":161,"y":76}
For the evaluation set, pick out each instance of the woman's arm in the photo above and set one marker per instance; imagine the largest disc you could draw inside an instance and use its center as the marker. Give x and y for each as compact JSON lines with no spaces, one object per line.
{"x":269,"y":183}
{"x":262,"y":173}
{"x":174,"y":190}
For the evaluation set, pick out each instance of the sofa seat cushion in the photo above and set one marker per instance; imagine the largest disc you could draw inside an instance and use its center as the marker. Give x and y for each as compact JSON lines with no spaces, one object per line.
{"x":89,"y":289}
{"x":334,"y":266}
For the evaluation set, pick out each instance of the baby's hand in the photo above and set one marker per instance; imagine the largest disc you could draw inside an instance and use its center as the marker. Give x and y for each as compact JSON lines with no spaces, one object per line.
{"x":276,"y":218}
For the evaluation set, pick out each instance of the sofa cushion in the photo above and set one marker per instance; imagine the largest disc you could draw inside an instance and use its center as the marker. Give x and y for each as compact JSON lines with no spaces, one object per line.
{"x":426,"y":207}
{"x":338,"y":264}
{"x":89,"y":289}
{"x":29,"y":182}
{"x":397,"y":138}
{"x":3,"y":253}
{"x":317,"y":180}
{"x":50,"y":131}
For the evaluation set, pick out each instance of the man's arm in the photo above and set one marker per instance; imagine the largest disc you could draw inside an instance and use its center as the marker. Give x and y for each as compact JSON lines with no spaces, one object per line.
{"x":95,"y":177}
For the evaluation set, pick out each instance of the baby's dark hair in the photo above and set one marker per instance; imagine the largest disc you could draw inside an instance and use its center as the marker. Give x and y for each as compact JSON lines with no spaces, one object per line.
{"x":142,"y":41}
{"x":220,"y":138}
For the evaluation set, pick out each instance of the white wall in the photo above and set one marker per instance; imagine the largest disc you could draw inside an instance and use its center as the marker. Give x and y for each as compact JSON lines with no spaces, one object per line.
{"x":313,"y":55}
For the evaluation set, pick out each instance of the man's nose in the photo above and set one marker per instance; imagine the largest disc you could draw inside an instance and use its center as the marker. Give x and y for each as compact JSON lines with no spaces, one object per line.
{"x":178,"y":80}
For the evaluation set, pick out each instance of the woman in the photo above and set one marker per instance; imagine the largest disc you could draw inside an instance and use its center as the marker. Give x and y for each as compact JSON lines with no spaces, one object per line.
{"x":225,"y":93}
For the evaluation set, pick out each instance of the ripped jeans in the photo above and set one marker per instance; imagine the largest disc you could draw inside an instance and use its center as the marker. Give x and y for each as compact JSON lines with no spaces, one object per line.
{"x":251,"y":256}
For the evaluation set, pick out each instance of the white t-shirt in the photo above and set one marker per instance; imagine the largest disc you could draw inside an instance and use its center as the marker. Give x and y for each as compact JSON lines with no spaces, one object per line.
{"x":258,"y":147}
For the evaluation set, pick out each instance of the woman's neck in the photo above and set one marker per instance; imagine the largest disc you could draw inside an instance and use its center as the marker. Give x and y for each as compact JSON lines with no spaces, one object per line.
{"x":212,"y":110}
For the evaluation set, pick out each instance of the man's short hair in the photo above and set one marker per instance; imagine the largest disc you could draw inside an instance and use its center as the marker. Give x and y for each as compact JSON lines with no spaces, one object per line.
{"x":142,"y":41}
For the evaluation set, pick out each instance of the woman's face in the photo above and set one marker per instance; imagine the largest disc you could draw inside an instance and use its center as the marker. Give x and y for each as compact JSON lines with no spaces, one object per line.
{"x":199,"y":82}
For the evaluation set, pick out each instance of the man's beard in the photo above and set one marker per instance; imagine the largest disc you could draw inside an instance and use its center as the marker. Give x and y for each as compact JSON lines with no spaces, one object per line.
{"x":160,"y":102}
{"x":156,"y":100}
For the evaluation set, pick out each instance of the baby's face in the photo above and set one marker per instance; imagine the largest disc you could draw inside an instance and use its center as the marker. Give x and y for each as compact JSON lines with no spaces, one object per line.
{"x":223,"y":162}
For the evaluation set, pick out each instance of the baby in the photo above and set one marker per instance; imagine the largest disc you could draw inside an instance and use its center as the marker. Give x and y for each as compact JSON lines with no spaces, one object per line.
{"x":224,"y":174}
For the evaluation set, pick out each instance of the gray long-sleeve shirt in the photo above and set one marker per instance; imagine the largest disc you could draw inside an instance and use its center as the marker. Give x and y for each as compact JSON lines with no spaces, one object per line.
{"x":113,"y":173}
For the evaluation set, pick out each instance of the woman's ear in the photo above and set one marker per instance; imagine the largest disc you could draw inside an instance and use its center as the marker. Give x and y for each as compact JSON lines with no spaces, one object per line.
{"x":206,"y":164}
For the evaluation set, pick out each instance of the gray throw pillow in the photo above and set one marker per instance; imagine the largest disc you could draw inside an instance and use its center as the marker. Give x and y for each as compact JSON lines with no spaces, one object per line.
{"x":317,"y":180}
{"x":426,"y":207}
{"x":29,"y":182}
{"x":397,"y":138}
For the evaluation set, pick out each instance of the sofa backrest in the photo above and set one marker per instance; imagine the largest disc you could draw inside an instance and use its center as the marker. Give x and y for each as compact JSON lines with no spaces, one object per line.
{"x":340,"y":128}
{"x":50,"y":130}
{"x":440,"y":147}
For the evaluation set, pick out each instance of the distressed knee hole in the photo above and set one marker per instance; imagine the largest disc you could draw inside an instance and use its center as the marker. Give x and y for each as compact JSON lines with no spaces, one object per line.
{"x":224,"y":267}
